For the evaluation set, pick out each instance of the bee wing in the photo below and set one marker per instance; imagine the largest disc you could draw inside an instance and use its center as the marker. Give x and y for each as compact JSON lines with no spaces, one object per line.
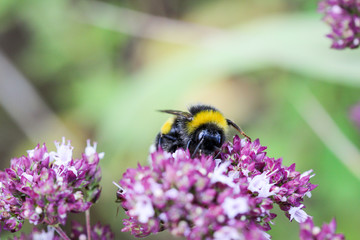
{"x":231,"y":123}
{"x":178,"y":113}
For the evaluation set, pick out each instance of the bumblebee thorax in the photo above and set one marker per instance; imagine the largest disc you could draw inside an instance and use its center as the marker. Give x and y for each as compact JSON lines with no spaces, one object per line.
{"x":207,"y":117}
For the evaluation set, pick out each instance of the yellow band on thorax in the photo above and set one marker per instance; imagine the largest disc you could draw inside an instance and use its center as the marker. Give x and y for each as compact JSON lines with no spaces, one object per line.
{"x":165,"y":129}
{"x":204,"y":117}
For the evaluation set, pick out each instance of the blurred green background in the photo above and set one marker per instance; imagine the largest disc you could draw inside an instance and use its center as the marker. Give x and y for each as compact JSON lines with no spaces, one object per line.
{"x":100,"y":69}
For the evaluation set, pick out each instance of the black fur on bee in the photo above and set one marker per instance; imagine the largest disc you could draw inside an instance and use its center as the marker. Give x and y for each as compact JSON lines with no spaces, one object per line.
{"x":201,"y":130}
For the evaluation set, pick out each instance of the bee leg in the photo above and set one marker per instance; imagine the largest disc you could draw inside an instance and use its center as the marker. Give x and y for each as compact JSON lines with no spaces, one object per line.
{"x":219,"y":151}
{"x":197,"y":148}
{"x":169,"y":137}
{"x":158,"y":143}
{"x":238,"y":129}
{"x":242,"y":133}
{"x":167,"y":142}
{"x":188,"y":144}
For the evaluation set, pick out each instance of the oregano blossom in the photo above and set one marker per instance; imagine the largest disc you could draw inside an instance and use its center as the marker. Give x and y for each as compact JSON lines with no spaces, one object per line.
{"x":43,"y":187}
{"x":308,"y":231}
{"x":231,"y":197}
{"x":343,"y":16}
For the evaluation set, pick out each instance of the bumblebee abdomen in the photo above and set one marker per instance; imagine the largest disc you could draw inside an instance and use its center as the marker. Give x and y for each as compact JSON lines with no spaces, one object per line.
{"x":169,"y":138}
{"x":167,"y":126}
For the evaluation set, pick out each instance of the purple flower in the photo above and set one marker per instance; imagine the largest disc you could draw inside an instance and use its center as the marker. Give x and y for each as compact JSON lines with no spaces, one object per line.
{"x":9,"y":207}
{"x":44,"y":187}
{"x":201,"y":198}
{"x":310,"y":232}
{"x":355,"y":114}
{"x":344,"y":18}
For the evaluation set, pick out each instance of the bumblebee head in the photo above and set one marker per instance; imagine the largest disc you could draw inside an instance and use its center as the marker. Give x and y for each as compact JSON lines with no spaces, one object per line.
{"x":207,"y":140}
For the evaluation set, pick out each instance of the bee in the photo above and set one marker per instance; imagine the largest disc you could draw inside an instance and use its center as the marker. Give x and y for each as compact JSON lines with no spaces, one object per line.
{"x":201,"y":130}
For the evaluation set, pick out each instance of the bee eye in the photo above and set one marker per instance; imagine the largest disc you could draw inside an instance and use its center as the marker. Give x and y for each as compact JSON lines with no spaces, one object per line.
{"x":217,"y":138}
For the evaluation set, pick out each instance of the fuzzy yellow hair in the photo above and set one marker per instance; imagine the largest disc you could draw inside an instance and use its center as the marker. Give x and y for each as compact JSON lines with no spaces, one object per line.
{"x":207,"y":116}
{"x":165,"y":129}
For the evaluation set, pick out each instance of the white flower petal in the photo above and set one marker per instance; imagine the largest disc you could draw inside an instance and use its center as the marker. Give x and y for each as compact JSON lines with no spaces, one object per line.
{"x":31,"y":153}
{"x":143,"y":209}
{"x":91,"y":150}
{"x":218,"y":174}
{"x":27,"y":176}
{"x":307,"y":173}
{"x":233,"y":207}
{"x":73,"y":169}
{"x":44,"y":235}
{"x":63,"y":155}
{"x":266,"y":235}
{"x":298,"y":214}
{"x":261,"y":185}
{"x":228,"y":233}
{"x":172,"y":193}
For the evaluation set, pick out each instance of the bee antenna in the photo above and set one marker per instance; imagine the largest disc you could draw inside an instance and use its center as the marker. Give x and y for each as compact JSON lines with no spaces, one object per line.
{"x":231,"y":123}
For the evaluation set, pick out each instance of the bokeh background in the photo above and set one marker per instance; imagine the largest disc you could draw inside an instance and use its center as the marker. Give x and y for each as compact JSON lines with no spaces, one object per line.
{"x":101,"y":69}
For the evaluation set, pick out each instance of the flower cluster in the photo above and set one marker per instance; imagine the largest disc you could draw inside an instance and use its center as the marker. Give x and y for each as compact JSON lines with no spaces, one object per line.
{"x":344,"y":18}
{"x":201,"y":198}
{"x":310,"y":232}
{"x":78,"y":231}
{"x":44,"y":187}
{"x":355,"y":114}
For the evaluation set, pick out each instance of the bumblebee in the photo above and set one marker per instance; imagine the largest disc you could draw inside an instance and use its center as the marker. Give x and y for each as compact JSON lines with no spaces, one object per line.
{"x":201,"y":130}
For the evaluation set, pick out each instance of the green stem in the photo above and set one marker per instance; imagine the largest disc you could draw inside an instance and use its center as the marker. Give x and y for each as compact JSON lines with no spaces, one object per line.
{"x":61,"y":232}
{"x":88,"y":226}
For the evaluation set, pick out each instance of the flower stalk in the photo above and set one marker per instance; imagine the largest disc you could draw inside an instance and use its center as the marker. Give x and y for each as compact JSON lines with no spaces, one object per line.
{"x":88,"y":225}
{"x":61,"y":232}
